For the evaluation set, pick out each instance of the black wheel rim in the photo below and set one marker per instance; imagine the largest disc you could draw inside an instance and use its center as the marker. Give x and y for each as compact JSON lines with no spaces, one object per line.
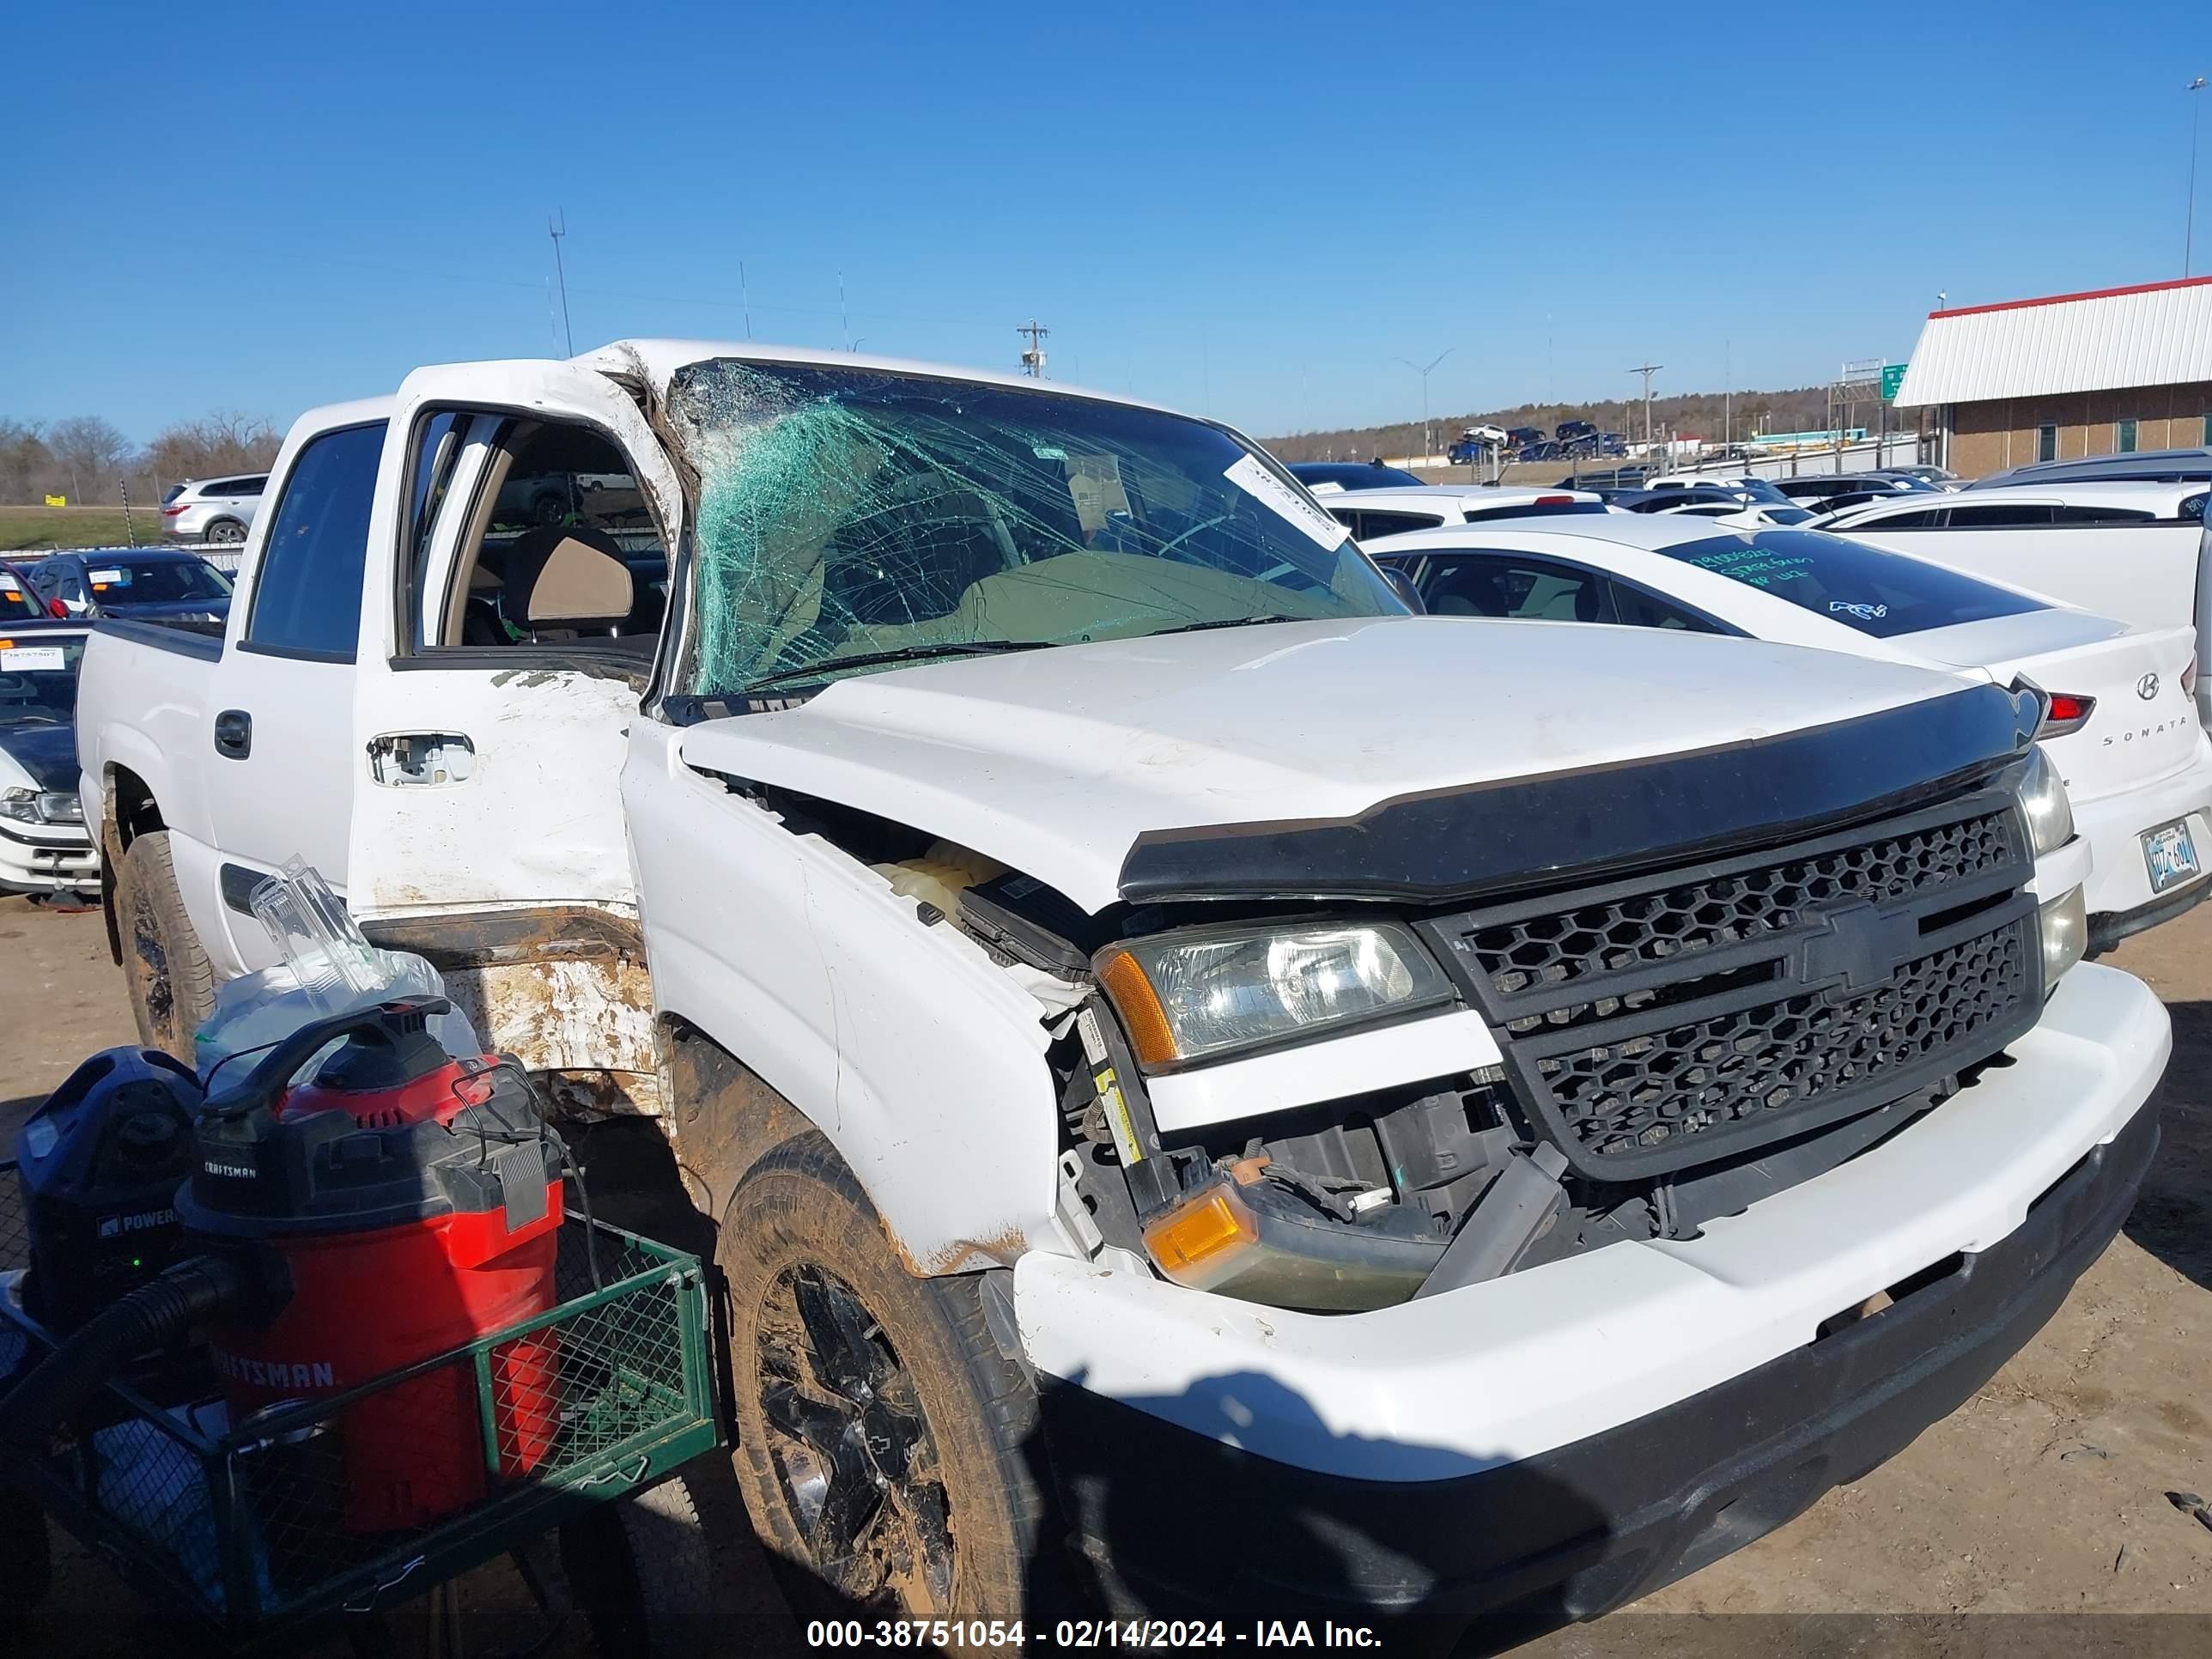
{"x":852,"y":1450}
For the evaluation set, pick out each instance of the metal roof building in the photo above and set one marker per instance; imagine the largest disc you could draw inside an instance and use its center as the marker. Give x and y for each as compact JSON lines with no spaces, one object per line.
{"x":2114,"y":370}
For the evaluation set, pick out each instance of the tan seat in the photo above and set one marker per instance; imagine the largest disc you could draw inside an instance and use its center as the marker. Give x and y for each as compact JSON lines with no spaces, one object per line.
{"x":561,"y":582}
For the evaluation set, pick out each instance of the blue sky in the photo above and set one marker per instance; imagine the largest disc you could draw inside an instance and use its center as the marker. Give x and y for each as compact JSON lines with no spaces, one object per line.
{"x":1253,"y":211}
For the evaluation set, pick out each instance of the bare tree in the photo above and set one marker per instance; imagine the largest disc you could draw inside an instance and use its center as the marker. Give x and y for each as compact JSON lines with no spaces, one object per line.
{"x":93,"y":455}
{"x":26,"y":463}
{"x":224,"y":442}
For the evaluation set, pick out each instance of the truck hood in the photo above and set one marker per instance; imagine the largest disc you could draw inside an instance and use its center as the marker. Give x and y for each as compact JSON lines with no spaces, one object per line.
{"x":1257,"y":760}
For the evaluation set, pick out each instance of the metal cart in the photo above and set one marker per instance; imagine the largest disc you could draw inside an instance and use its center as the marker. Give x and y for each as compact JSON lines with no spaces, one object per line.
{"x":243,"y":1528}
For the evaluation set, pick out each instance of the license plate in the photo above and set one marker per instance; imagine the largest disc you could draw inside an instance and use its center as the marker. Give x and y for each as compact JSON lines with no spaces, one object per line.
{"x":2172,"y":855}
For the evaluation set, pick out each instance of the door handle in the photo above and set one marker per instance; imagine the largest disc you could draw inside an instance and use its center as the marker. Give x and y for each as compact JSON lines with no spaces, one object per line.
{"x":234,"y":733}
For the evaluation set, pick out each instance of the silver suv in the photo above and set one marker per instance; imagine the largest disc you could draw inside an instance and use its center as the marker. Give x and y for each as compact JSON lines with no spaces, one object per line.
{"x":211,"y":509}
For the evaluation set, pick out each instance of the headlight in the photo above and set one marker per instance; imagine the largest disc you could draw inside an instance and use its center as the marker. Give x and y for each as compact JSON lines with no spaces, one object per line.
{"x":2043,"y":797}
{"x":61,"y":806}
{"x":21,"y":804}
{"x":2065,"y":924}
{"x":1192,"y":995}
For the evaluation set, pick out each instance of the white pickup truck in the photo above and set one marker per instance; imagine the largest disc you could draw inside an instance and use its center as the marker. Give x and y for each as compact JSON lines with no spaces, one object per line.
{"x":1216,"y":1093}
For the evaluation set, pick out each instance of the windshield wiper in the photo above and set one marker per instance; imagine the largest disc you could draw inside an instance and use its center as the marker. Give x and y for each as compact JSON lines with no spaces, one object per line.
{"x":905,"y":653}
{"x":1226,"y":621}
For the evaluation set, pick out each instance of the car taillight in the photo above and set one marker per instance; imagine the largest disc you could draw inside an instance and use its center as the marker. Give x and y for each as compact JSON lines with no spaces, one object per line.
{"x":2067,"y":713}
{"x":172,"y":512}
{"x":56,"y":608}
{"x":1554,"y":500}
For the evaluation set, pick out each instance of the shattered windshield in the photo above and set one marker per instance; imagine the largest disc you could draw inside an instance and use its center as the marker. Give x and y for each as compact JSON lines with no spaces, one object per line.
{"x":851,"y":518}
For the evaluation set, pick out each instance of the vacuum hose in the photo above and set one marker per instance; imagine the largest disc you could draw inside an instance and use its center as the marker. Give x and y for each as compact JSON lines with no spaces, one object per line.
{"x":159,"y":1311}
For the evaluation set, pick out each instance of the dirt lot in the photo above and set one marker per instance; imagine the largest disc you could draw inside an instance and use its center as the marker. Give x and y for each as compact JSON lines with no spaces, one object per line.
{"x":2043,"y":1495}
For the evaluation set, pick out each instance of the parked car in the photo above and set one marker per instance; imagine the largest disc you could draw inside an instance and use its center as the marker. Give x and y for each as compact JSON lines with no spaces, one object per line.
{"x":145,"y":584}
{"x":2140,"y":465}
{"x":1829,"y":492}
{"x":219,"y":510}
{"x":1322,"y":476}
{"x":1744,"y":485}
{"x":1941,"y":477}
{"x":1152,"y":1023}
{"x":1372,"y":513}
{"x":2128,"y":548}
{"x":1543,"y":450}
{"x":19,"y":601}
{"x":2121,"y":727}
{"x":44,"y":846}
{"x":1736,"y":509}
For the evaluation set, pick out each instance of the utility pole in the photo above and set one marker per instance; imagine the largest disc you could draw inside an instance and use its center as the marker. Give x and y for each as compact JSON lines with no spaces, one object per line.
{"x":557,"y":228}
{"x":2189,"y":227}
{"x":844,"y":317}
{"x":1647,"y":370}
{"x":745,"y":299}
{"x":1033,"y":359}
{"x":1727,"y":394}
{"x":1428,"y":438}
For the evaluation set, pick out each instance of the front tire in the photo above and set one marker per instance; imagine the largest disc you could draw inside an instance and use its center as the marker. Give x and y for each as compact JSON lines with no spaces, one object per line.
{"x":881,"y":1430}
{"x":171,"y":980}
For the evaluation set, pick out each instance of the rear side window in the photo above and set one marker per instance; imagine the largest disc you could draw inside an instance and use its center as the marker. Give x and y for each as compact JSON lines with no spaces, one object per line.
{"x":2103,"y":515}
{"x":2002,"y":515}
{"x":1876,"y":592}
{"x":1512,"y":584}
{"x":306,"y":593}
{"x":1371,"y":527}
{"x":1528,"y":511}
{"x":1927,"y":518}
{"x":1636,"y":608}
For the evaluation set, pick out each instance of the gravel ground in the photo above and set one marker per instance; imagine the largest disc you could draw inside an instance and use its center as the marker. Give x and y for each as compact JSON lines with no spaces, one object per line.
{"x":2043,"y":1495}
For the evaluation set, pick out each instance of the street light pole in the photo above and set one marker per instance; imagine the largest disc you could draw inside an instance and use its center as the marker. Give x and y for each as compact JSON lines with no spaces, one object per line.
{"x":2189,"y":222}
{"x":1428,"y":440}
{"x":1647,"y":370}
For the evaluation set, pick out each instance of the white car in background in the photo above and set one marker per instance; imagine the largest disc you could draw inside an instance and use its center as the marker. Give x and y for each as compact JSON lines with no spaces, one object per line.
{"x":212,"y":510}
{"x":1750,"y":504}
{"x":1372,"y":513}
{"x":2121,"y":723}
{"x":2132,"y":549}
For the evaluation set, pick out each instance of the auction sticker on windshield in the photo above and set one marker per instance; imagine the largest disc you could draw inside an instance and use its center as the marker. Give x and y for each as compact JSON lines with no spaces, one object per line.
{"x":108,"y":578}
{"x":32,"y":659}
{"x":2171,"y":853}
{"x":1256,"y":481}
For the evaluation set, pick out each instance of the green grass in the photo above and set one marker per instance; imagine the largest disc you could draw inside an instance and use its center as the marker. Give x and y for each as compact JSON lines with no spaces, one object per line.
{"x":41,"y":528}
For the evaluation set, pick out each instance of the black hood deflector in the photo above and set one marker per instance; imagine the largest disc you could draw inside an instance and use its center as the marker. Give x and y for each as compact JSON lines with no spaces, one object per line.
{"x":1522,"y":832}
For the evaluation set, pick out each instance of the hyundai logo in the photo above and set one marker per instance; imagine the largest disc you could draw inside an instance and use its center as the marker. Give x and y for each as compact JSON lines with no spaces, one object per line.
{"x":2147,"y":687}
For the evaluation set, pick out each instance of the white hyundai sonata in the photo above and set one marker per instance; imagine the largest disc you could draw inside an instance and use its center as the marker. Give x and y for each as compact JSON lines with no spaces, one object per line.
{"x":2122,"y":724}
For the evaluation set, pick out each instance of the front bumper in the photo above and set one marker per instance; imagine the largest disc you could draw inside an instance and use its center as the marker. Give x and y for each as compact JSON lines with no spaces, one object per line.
{"x":1549,"y":1445}
{"x":47,"y":858}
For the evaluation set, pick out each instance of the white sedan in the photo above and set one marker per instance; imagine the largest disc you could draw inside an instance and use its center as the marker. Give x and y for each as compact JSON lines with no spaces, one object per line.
{"x":2121,"y":724}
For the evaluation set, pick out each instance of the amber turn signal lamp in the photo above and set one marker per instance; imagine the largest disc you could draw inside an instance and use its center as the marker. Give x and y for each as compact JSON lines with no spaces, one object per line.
{"x":1152,"y":1039}
{"x":1197,"y":1242}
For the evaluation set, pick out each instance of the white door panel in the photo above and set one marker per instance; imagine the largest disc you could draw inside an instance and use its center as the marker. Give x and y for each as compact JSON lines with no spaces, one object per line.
{"x":488,"y":777}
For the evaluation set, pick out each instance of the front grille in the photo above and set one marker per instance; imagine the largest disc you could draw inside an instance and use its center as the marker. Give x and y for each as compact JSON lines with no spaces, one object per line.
{"x":1694,"y":1014}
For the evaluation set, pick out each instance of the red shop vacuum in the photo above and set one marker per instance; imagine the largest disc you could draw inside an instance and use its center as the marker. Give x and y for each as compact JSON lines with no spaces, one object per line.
{"x":413,"y":1202}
